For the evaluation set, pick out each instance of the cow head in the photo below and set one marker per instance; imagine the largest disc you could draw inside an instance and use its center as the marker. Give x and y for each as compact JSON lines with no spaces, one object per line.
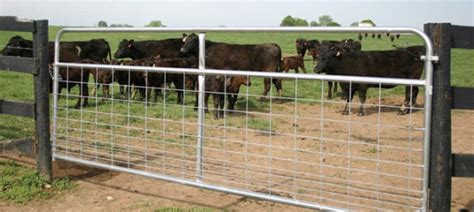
{"x":127,"y":48}
{"x":300,"y":45}
{"x":18,"y":46}
{"x":95,"y":49}
{"x":233,"y":83}
{"x":190,"y":44}
{"x":328,"y":53}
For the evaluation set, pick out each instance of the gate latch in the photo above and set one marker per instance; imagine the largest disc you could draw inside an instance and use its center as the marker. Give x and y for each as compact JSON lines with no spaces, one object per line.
{"x":433,"y":58}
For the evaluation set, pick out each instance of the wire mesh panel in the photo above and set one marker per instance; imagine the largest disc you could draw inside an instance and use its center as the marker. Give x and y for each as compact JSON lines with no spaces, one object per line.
{"x":296,"y":146}
{"x":239,"y":132}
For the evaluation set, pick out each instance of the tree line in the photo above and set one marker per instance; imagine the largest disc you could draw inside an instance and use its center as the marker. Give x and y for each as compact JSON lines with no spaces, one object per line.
{"x":324,"y":20}
{"x":154,"y":23}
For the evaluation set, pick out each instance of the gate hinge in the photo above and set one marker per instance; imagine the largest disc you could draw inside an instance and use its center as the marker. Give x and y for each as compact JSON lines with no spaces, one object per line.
{"x":433,"y":58}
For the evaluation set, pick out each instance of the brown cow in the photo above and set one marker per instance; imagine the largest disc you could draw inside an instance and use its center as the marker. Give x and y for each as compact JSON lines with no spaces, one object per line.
{"x":293,"y":62}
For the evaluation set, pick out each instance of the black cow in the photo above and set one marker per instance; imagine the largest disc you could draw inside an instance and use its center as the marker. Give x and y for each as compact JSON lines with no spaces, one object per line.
{"x":70,"y":77}
{"x":311,"y":45}
{"x":346,"y":45}
{"x":71,"y":51}
{"x":128,"y":78}
{"x":260,"y":57}
{"x":300,"y":46}
{"x":401,"y":63}
{"x":168,"y":48}
{"x":18,"y":46}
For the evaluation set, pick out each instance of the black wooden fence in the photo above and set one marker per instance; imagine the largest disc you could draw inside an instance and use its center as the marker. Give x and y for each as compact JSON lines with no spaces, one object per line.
{"x":444,"y":165}
{"x":38,"y":67}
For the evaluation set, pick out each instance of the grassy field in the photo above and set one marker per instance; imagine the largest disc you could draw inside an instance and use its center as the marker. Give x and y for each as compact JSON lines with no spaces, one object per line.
{"x":19,"y":87}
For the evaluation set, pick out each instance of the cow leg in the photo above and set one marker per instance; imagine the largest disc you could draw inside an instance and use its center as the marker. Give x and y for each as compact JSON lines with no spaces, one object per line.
{"x":330,"y":90}
{"x":349,"y":95}
{"x":362,"y":97}
{"x":85,"y":95}
{"x":179,"y":90}
{"x":231,"y":100}
{"x":206,"y":99}
{"x":296,"y":70}
{"x":216,"y":101}
{"x":303,"y":68}
{"x":278,"y":86}
{"x":266,"y":84}
{"x":196,"y":102}
{"x":407,"y":104}
{"x":221,"y":104}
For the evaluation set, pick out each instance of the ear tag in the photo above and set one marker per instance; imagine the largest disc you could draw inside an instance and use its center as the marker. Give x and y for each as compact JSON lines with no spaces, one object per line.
{"x":338,"y":54}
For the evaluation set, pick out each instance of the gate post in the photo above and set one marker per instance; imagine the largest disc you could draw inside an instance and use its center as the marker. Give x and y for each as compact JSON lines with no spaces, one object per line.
{"x":440,"y":156}
{"x":201,"y":90}
{"x":42,"y":122}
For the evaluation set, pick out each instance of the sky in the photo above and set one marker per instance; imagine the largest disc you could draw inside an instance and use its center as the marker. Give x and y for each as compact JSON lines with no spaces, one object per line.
{"x":241,"y":13}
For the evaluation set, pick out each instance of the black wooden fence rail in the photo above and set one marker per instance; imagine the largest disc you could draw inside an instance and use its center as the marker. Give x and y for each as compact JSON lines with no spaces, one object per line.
{"x":443,"y":164}
{"x":38,"y":67}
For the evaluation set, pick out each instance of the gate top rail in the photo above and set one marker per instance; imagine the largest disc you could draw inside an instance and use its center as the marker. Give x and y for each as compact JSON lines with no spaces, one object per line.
{"x":426,"y":39}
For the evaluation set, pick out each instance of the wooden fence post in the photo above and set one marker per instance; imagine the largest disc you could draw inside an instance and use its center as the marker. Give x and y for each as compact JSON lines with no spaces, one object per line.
{"x":440,"y":156}
{"x":41,"y":82}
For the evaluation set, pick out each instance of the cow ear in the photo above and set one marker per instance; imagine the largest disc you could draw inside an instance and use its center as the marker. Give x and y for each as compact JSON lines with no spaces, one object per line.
{"x":184,"y":35}
{"x":130,"y":44}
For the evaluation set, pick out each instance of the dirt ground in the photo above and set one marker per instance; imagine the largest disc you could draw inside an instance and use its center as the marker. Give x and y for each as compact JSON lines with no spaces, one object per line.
{"x":101,"y":190}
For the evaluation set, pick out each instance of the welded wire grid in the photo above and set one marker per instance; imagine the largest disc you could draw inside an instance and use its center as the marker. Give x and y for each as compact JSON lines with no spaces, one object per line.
{"x":297,"y":146}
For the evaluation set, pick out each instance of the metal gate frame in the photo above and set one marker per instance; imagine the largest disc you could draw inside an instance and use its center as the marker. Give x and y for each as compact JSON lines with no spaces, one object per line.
{"x":201,"y":71}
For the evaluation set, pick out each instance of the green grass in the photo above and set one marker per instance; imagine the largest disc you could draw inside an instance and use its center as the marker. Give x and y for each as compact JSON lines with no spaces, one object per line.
{"x":19,"y":87}
{"x":20,"y":184}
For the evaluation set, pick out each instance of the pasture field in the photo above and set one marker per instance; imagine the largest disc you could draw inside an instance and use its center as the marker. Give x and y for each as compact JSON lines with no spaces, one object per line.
{"x":147,"y":134}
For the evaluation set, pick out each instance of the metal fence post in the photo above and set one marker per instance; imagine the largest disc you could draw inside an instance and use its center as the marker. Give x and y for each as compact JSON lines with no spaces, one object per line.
{"x":201,"y":90}
{"x":41,"y":83}
{"x":440,"y":165}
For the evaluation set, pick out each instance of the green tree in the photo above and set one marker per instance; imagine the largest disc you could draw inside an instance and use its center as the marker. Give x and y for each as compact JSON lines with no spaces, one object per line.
{"x":154,"y":23}
{"x":102,"y":24}
{"x":290,"y":21}
{"x":287,"y":21}
{"x":332,"y":23}
{"x":300,"y":22}
{"x":368,"y":21}
{"x":324,"y":20}
{"x":314,"y":23}
{"x":355,"y":24}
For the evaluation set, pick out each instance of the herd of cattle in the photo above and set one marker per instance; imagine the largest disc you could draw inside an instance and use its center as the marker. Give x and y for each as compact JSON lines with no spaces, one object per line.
{"x":333,"y":57}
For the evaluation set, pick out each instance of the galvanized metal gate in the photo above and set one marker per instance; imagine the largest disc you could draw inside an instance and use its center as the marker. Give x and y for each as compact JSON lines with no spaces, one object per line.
{"x":296,"y":149}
